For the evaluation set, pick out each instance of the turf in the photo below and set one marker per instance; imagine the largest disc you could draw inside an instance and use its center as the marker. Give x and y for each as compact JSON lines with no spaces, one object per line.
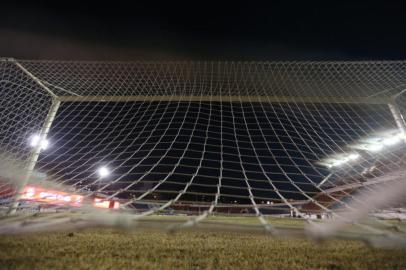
{"x":151,"y":249}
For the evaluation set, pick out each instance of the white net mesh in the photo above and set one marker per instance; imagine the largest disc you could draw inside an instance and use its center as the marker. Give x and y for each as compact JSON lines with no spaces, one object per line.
{"x":297,"y":139}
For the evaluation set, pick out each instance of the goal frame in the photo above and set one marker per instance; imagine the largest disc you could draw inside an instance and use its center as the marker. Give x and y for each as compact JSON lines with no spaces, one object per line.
{"x":56,"y":100}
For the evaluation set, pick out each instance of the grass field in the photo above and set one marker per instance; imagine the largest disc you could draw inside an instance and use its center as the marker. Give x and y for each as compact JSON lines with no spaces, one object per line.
{"x":190,"y":249}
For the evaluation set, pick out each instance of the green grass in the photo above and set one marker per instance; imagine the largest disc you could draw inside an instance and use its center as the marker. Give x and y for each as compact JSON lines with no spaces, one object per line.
{"x":107,"y":249}
{"x":210,"y":246}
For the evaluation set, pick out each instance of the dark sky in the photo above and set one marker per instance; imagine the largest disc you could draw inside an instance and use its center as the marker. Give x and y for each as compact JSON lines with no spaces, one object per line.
{"x":283,"y":30}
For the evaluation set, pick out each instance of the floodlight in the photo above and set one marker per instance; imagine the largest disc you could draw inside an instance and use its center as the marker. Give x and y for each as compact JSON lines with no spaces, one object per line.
{"x":103,"y":171}
{"x":374,"y":147}
{"x":338,"y":162}
{"x":378,"y":143}
{"x":392,"y":140}
{"x":341,"y":159}
{"x":353,"y":156}
{"x":36,"y":139}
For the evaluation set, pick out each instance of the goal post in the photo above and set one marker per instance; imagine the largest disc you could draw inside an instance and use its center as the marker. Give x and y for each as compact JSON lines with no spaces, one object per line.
{"x":398,"y":117}
{"x":35,"y":153}
{"x":42,"y":136}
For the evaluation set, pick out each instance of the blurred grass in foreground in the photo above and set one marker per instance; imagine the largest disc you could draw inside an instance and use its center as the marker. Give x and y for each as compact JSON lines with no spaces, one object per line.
{"x":151,"y":249}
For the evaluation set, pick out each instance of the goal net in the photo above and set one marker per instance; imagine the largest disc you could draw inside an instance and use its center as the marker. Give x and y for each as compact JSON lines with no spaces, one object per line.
{"x":323,"y":142}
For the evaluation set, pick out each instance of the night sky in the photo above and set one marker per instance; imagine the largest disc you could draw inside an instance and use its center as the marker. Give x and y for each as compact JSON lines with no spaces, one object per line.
{"x":283,"y":30}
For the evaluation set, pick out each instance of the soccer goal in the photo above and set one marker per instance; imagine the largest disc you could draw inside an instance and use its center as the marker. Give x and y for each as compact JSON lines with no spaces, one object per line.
{"x":320,"y":142}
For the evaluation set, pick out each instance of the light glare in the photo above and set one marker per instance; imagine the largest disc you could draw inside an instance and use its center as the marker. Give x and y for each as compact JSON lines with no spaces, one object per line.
{"x":353,"y":156}
{"x":340,"y":160}
{"x":103,"y":171}
{"x":374,"y":147}
{"x":36,"y":139}
{"x":391,"y":141}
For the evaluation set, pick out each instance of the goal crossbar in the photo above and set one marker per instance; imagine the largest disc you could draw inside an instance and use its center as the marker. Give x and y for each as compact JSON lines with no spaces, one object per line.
{"x":217,"y":98}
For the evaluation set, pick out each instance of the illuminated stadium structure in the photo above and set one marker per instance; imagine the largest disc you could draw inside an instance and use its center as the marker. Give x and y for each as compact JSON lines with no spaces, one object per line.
{"x":300,"y":139}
